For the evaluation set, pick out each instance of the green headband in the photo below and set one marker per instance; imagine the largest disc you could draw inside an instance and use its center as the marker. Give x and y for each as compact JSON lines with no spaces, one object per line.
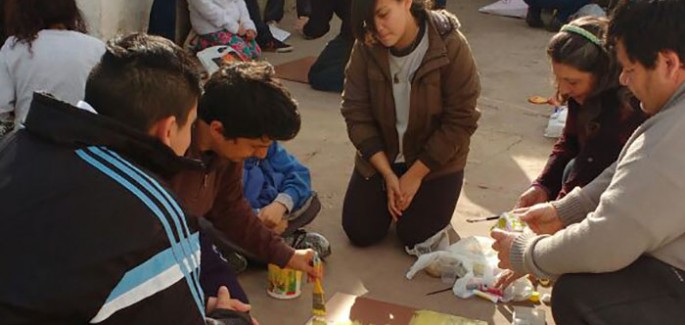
{"x":582,"y":32}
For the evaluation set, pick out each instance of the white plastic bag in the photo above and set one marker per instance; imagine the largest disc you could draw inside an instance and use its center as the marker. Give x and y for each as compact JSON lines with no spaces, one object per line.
{"x":437,"y":242}
{"x":556,"y":123}
{"x":472,"y":264}
{"x":507,"y":8}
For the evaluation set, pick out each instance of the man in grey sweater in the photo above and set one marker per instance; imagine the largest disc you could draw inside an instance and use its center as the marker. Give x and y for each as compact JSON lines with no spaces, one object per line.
{"x":617,"y":246}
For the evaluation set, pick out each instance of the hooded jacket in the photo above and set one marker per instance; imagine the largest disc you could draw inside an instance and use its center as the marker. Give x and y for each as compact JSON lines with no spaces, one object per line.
{"x":442,"y":112}
{"x":89,"y":231}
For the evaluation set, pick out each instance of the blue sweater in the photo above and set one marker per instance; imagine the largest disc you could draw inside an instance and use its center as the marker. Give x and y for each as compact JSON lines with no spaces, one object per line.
{"x":279,"y":176}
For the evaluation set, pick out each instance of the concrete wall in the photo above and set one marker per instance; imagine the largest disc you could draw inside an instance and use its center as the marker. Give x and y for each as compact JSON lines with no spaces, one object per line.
{"x":106,"y":18}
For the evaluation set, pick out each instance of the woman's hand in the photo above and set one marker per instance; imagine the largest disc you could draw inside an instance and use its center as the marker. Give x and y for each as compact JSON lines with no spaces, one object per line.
{"x":394,"y":192}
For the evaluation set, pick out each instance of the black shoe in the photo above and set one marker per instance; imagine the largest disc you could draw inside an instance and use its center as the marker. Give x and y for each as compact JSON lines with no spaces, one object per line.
{"x":555,"y":25}
{"x":534,"y":19}
{"x":302,"y":239}
{"x":274,"y":45}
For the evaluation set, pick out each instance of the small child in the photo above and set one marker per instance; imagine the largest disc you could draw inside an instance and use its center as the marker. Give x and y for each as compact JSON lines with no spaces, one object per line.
{"x":224,"y":22}
{"x":278,"y":188}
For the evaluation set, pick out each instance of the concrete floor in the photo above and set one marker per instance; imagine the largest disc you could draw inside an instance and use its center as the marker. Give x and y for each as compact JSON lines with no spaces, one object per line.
{"x":507,"y":151}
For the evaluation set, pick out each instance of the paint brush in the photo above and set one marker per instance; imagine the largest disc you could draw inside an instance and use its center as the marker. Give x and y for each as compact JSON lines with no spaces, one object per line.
{"x":318,"y":301}
{"x":472,"y":220}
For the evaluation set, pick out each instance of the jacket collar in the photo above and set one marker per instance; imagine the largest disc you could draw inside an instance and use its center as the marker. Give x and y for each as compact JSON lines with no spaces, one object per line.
{"x":440,"y":23}
{"x":677,"y":97}
{"x":66,"y":125}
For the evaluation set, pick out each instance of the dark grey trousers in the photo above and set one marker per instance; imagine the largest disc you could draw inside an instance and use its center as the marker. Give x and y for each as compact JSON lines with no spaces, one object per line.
{"x":646,"y":292}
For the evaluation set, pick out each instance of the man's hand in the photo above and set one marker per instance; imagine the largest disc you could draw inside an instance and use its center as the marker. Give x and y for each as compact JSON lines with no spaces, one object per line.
{"x":223,"y":301}
{"x":303,"y":260}
{"x":392,"y":188}
{"x":532,"y":196}
{"x":272,"y":215}
{"x":506,"y":278}
{"x":542,"y":219}
{"x":250,"y":34}
{"x":503,"y":241}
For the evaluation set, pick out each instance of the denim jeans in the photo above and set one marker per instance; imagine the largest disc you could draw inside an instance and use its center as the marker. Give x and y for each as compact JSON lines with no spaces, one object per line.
{"x":163,"y":19}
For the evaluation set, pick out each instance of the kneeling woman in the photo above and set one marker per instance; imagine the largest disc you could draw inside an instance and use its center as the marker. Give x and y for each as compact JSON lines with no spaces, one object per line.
{"x":409,"y":102}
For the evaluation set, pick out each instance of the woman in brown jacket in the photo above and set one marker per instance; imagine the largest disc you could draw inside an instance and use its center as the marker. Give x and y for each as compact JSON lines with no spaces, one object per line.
{"x":409,"y":102}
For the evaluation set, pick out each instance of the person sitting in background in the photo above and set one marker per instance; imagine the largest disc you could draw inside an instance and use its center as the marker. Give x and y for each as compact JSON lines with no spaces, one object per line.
{"x":279,"y":189}
{"x":265,"y":38}
{"x":563,"y":9}
{"x":47,"y":50}
{"x":328,"y":71}
{"x":602,"y":114}
{"x":224,"y":22}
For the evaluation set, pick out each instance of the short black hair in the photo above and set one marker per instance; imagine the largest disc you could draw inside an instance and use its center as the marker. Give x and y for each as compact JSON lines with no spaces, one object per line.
{"x":647,"y":27}
{"x":250,"y":103}
{"x":142,"y":79}
{"x":364,"y":13}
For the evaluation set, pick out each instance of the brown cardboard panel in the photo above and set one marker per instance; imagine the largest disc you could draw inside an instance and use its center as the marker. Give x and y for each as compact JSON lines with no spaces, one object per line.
{"x":295,"y":70}
{"x":343,"y":308}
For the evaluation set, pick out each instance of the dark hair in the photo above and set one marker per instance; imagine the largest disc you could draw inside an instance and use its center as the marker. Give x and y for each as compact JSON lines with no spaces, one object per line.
{"x":647,"y":27}
{"x":364,"y":12}
{"x":3,"y":35}
{"x":25,"y":18}
{"x":250,"y":103}
{"x":575,"y":50}
{"x":142,"y":79}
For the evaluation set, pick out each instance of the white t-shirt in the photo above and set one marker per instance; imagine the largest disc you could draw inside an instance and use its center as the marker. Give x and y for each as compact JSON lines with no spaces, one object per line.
{"x":402,"y":70}
{"x":58,"y":62}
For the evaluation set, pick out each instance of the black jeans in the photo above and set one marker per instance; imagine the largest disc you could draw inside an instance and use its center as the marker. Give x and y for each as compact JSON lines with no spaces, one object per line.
{"x":328,"y":72}
{"x":322,"y":12}
{"x":365,"y":215}
{"x":263,"y":32}
{"x":274,"y":9}
{"x":163,"y":19}
{"x":216,"y":272}
{"x":646,"y":292}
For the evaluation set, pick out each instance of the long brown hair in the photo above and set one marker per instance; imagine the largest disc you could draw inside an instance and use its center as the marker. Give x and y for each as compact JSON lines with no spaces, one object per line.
{"x":25,"y":18}
{"x":576,"y":51}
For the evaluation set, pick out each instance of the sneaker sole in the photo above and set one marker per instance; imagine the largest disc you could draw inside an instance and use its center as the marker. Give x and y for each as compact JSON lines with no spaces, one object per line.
{"x":284,"y":50}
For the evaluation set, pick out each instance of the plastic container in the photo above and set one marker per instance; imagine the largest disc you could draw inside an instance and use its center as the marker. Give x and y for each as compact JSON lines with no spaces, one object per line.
{"x":284,"y":283}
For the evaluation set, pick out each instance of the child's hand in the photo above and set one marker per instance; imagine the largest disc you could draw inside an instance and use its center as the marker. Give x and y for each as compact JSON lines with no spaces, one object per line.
{"x":241,"y":29}
{"x":272,"y":214}
{"x":250,"y":34}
